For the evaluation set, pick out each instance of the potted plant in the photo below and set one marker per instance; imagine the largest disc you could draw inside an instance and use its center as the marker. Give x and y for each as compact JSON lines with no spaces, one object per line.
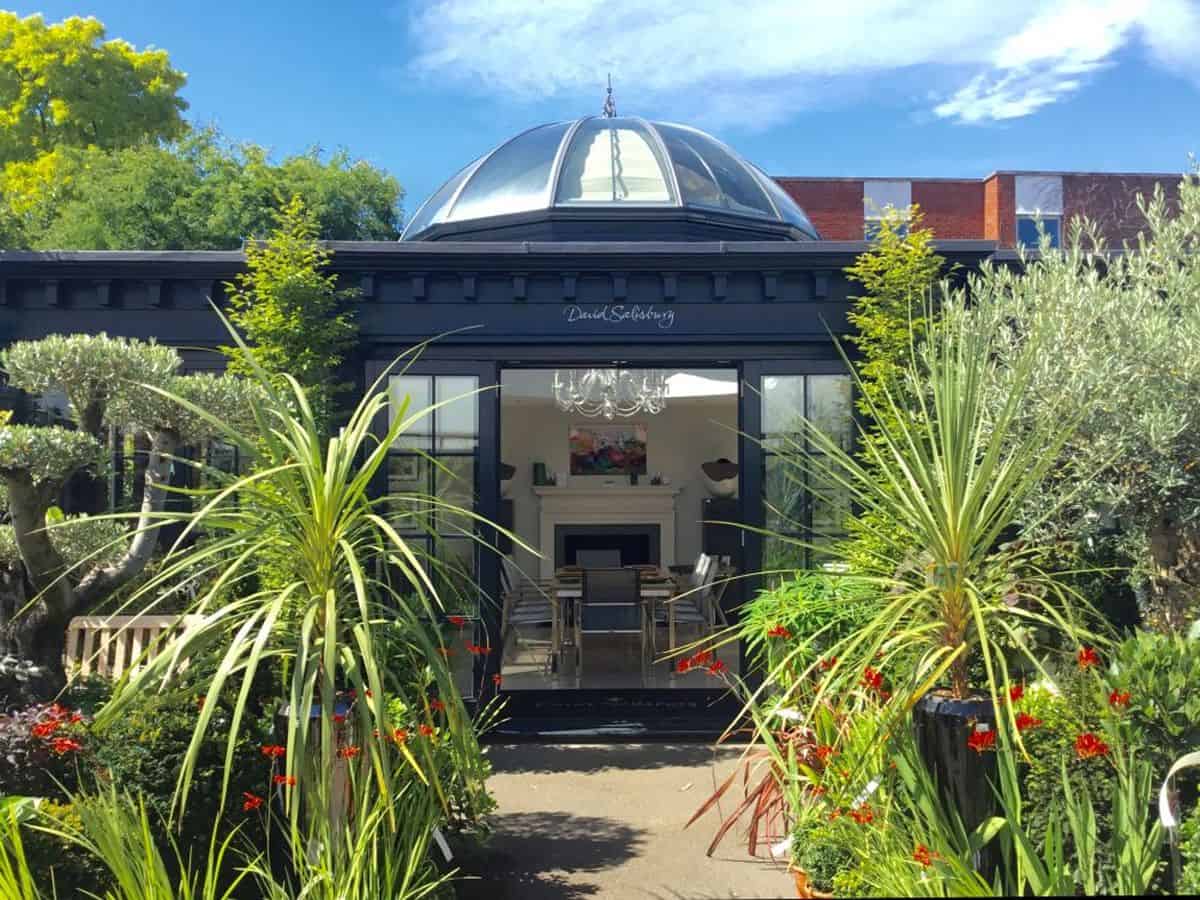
{"x":940,"y":485}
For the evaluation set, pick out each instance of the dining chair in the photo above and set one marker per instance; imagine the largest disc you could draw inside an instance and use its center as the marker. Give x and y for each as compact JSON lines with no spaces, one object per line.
{"x":528,"y":604}
{"x":693,"y":606}
{"x":611,"y":604}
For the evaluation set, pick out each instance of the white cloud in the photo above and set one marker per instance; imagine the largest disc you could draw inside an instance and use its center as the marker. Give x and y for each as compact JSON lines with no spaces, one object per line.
{"x":753,"y":62}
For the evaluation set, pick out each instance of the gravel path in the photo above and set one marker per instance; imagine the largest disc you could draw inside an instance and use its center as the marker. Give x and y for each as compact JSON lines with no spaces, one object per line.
{"x":606,"y":821}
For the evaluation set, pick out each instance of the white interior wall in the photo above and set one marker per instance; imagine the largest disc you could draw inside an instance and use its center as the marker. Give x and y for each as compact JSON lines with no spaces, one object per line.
{"x":678,"y":440}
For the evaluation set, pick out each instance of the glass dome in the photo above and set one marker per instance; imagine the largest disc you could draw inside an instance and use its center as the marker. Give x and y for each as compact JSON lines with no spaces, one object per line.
{"x":622,"y":169}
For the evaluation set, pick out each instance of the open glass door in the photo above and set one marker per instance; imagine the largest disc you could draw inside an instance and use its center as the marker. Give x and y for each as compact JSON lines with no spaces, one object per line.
{"x":780,"y":498}
{"x":442,"y":473}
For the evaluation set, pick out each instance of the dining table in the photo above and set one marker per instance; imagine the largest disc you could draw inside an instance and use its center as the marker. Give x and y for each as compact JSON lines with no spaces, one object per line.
{"x":657,"y":585}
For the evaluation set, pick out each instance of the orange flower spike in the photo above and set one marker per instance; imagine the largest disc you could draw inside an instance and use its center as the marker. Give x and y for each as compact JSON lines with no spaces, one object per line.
{"x":1118,"y":700}
{"x":982,"y":740}
{"x":778,"y":631}
{"x":350,"y":751}
{"x":285,"y":780}
{"x":923,"y":856}
{"x":1087,"y":658}
{"x":250,"y":802}
{"x":458,"y":622}
{"x":1025,"y":721}
{"x":273,"y":751}
{"x":62,"y":746}
{"x":437,"y":705}
{"x":1088,"y":745}
{"x":426,"y":730}
{"x":1016,"y":692}
{"x":400,"y":736}
{"x":497,"y":679}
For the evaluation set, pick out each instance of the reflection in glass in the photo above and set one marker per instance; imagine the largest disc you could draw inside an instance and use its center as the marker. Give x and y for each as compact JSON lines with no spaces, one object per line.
{"x":738,"y":189}
{"x":513,"y":179}
{"x":612,"y":160}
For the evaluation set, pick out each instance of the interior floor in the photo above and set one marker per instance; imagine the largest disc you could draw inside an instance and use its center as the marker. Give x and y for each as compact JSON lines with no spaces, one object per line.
{"x":609,"y":662}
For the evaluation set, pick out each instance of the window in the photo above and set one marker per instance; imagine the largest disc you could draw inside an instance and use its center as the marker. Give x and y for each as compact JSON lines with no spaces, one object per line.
{"x":432,"y":473}
{"x":871,"y":229}
{"x":1027,"y":230}
{"x":797,"y":505}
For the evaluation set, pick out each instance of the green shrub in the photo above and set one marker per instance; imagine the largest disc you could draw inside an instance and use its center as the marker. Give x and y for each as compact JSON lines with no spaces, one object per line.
{"x":824,"y":850}
{"x":817,"y":610}
{"x":1160,"y":673}
{"x":70,"y":868}
{"x":1189,"y":850}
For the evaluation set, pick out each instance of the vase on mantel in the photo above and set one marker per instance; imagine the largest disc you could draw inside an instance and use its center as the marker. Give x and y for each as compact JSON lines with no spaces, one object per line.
{"x":720,"y":477}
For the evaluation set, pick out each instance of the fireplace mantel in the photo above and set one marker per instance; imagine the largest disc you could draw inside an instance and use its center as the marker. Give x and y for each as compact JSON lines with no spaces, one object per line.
{"x":606,"y":505}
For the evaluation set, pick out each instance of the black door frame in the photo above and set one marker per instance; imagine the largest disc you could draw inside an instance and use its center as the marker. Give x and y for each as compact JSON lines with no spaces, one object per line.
{"x":488,"y":362}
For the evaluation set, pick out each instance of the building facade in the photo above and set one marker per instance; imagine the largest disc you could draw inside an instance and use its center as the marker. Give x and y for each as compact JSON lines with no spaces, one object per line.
{"x":610,"y":254}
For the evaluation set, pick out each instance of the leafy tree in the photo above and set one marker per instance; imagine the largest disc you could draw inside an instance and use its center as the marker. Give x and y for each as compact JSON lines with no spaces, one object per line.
{"x":899,"y":275}
{"x":291,"y":312}
{"x":201,"y":192}
{"x":64,"y":85}
{"x":1122,"y":339}
{"x":56,"y":569}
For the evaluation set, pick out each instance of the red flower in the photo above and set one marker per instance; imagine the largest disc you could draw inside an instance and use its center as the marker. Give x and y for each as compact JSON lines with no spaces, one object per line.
{"x":835,"y":815}
{"x":58,"y":712}
{"x":482,"y":651}
{"x":1016,"y":692}
{"x":863,"y":815}
{"x":703,"y":658}
{"x":45,"y":729}
{"x":717,"y":667}
{"x":274,"y":751}
{"x":458,"y":621}
{"x":497,"y":679}
{"x":400,"y":735}
{"x":426,"y":730}
{"x":982,"y":740}
{"x":200,"y":702}
{"x":1118,"y":700}
{"x":923,"y":856}
{"x":827,"y":664}
{"x":369,"y":694}
{"x":684,"y":665}
{"x":817,"y":790}
{"x":437,"y":705}
{"x":62,"y":746}
{"x":1025,"y":720}
{"x":250,"y":801}
{"x":824,"y":751}
{"x":285,"y":780}
{"x":778,"y":631}
{"x":1088,"y":745}
{"x":75,"y":717}
{"x":350,"y":751}
{"x":872,"y":679}
{"x":1087,"y":657}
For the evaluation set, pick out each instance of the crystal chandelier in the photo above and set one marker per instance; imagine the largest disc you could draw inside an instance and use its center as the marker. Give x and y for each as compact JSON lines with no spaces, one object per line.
{"x":611,"y":392}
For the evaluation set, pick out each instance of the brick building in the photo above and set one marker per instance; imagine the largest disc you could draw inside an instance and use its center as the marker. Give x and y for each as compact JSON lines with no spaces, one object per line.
{"x":1001,"y":207}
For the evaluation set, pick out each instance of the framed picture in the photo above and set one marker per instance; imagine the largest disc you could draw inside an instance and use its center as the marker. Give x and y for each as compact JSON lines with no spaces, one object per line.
{"x":618,"y":449}
{"x":404,"y":473}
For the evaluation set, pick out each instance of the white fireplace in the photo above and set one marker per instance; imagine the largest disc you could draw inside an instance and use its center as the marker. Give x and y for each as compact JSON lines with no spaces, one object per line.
{"x":605,"y":505}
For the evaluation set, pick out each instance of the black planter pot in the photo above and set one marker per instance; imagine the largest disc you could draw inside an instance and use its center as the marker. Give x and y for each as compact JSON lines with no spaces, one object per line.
{"x":964,"y":776}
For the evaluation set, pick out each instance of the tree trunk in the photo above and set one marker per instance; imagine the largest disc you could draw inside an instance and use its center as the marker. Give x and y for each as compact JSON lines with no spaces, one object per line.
{"x":1174,"y":596}
{"x":38,"y":631}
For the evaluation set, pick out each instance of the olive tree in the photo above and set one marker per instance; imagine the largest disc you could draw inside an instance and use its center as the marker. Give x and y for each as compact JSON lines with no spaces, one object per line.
{"x":55,"y":568}
{"x":1121,"y":332}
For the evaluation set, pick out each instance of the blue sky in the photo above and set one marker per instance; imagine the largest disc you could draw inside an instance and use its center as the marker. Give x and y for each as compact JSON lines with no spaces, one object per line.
{"x":852,"y":87}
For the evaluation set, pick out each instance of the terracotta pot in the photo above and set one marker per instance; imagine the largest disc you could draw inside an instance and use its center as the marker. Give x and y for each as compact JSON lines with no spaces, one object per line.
{"x":804,"y":887}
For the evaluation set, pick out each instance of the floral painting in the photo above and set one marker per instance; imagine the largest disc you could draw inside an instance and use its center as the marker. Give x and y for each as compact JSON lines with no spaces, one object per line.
{"x":608,"y":449}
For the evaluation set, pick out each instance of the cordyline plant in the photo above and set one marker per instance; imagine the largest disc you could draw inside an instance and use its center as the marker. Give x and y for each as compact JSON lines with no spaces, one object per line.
{"x":75,"y":564}
{"x":349,"y":622}
{"x":956,"y":474}
{"x":1122,"y":336}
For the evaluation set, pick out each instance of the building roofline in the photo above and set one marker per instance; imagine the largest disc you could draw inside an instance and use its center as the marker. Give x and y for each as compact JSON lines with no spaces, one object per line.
{"x":976,"y":179}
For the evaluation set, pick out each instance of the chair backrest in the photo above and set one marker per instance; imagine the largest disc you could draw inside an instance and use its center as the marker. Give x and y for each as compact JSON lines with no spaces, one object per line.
{"x":599,"y":559}
{"x":611,"y":600}
{"x":703,"y":571}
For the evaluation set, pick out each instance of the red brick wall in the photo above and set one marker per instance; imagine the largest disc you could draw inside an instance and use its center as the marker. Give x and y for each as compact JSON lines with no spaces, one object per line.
{"x":835,"y":207}
{"x":1111,"y":201}
{"x":1000,"y":210}
{"x":953,"y":209}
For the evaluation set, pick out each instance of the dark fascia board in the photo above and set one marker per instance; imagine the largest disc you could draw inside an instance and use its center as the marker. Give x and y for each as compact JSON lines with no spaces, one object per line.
{"x":484,"y":255}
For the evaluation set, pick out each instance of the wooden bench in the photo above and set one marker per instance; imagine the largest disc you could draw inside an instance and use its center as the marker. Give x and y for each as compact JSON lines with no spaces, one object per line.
{"x":110,"y":646}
